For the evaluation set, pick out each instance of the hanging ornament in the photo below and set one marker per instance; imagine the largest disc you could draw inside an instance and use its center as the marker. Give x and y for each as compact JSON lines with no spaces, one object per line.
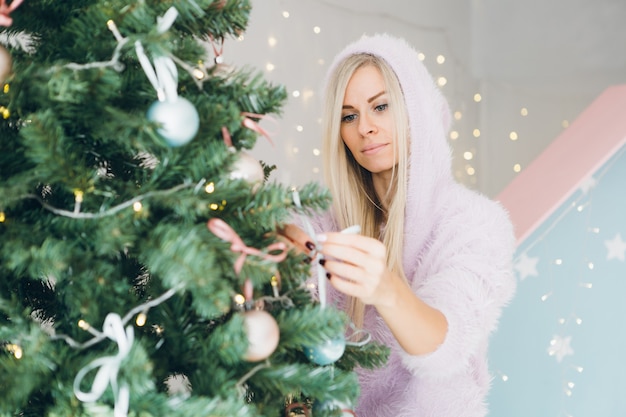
{"x":261,"y":328}
{"x":247,"y":168}
{"x":331,"y":405}
{"x":178,"y":118}
{"x":263,"y":335}
{"x":327,"y":352}
{"x":6,"y":64}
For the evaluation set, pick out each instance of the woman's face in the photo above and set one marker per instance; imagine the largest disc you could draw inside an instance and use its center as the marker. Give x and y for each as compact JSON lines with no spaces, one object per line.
{"x":367,"y":122}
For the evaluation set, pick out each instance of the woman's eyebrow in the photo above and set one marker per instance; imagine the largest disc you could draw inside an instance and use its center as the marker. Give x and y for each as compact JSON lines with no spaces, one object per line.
{"x":369,"y":100}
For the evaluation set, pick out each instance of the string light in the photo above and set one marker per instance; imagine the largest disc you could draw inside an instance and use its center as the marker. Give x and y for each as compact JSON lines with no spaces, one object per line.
{"x":141,"y":319}
{"x":513,"y":135}
{"x":2,"y":217}
{"x":239,"y":299}
{"x":210,"y":188}
{"x":137,"y":206}
{"x":454,"y":135}
{"x":317,"y":30}
{"x":476,"y":133}
{"x":477,"y":97}
{"x":441,"y":59}
{"x":16,"y":350}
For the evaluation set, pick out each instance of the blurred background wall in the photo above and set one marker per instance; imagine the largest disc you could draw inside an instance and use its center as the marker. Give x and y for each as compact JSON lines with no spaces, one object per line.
{"x":515,"y":73}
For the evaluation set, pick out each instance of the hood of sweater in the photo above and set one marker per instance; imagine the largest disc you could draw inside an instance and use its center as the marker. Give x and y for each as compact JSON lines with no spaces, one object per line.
{"x":429,"y":122}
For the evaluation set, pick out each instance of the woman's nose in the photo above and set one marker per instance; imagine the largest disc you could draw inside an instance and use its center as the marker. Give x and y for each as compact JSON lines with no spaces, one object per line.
{"x":366,"y":125}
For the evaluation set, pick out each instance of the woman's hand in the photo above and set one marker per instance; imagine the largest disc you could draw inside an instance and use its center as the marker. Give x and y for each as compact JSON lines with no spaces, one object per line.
{"x":356,"y":266}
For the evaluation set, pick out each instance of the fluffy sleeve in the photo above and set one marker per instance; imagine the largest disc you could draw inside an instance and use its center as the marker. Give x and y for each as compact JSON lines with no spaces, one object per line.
{"x":466,"y":273}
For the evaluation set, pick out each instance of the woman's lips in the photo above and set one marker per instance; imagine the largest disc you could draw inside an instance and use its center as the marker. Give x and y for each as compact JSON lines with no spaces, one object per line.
{"x":372,"y":149}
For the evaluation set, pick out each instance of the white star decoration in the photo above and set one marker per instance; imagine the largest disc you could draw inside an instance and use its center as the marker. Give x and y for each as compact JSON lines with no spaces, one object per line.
{"x":526,"y":266}
{"x":587,"y":184}
{"x":560,"y":347}
{"x":616,"y":248}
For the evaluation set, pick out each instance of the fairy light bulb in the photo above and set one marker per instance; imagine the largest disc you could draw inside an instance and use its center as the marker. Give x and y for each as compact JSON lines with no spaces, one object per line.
{"x":83,"y":324}
{"x":210,"y":188}
{"x":141,"y":319}
{"x":271,"y":41}
{"x":2,"y":217}
{"x":317,"y":30}
{"x":78,"y":196}
{"x":137,"y":206}
{"x":524,"y":111}
{"x":240,"y":299}
{"x":476,"y":133}
{"x":477,"y":97}
{"x":513,"y":135}
{"x":454,"y":135}
{"x":458,"y":115}
{"x":316,"y":152}
{"x":441,"y":59}
{"x":442,"y":81}
{"x":269,"y":67}
{"x":468,"y":156}
{"x":421,"y":56}
{"x":517,"y":168}
{"x":286,"y":14}
{"x":16,"y":350}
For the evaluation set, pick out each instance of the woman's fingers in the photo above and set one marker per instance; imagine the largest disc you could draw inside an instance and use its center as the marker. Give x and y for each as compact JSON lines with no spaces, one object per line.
{"x":297,"y":238}
{"x":333,"y":242}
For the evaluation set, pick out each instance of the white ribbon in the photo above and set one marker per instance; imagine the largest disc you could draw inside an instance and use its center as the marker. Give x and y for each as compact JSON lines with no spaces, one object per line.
{"x":109,"y":367}
{"x":164,"y":75}
{"x":321,"y":275}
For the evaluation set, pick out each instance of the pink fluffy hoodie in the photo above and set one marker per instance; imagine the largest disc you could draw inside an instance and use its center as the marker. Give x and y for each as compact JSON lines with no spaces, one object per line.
{"x":458,"y":247}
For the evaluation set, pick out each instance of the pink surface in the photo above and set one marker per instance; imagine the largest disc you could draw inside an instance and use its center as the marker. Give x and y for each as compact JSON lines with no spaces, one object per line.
{"x":557,"y":172}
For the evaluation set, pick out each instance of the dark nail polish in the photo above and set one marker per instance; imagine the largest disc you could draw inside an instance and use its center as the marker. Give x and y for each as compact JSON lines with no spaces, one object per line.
{"x":322,"y":261}
{"x":328,"y":275}
{"x":307,"y":260}
{"x":310,"y":245}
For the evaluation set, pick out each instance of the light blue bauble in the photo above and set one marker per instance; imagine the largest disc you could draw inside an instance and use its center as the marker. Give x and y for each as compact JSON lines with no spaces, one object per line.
{"x":326,"y":353}
{"x":329,"y":405}
{"x":178,"y":120}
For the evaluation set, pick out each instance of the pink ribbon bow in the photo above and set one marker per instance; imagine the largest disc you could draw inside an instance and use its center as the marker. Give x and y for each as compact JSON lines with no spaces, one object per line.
{"x":5,"y":11}
{"x":222,"y":230}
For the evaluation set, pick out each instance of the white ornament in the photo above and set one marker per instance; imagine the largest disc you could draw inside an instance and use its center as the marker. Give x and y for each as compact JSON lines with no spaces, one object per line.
{"x":178,"y":119}
{"x":263,"y":335}
{"x":247,"y":168}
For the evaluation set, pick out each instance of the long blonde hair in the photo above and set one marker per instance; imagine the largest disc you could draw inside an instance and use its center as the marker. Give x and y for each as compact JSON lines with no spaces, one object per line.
{"x":354,"y":198}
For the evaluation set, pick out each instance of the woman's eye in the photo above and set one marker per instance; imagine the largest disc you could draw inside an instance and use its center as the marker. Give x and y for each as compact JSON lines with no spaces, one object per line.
{"x":348,"y":118}
{"x":381,"y":107}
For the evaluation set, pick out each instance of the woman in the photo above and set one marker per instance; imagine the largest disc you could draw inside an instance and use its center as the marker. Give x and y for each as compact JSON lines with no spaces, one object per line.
{"x":431,"y":269}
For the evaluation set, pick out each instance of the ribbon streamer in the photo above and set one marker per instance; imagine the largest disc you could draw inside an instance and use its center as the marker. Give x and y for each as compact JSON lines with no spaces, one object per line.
{"x":5,"y":11}
{"x":108,"y":367}
{"x":222,"y":230}
{"x":321,"y":275}
{"x":164,"y":75}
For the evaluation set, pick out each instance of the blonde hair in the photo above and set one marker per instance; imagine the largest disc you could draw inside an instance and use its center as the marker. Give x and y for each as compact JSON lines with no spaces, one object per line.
{"x":354,"y":198}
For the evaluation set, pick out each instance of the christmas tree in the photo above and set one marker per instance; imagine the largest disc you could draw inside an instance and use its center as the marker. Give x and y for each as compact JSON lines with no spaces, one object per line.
{"x":141,"y":271}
